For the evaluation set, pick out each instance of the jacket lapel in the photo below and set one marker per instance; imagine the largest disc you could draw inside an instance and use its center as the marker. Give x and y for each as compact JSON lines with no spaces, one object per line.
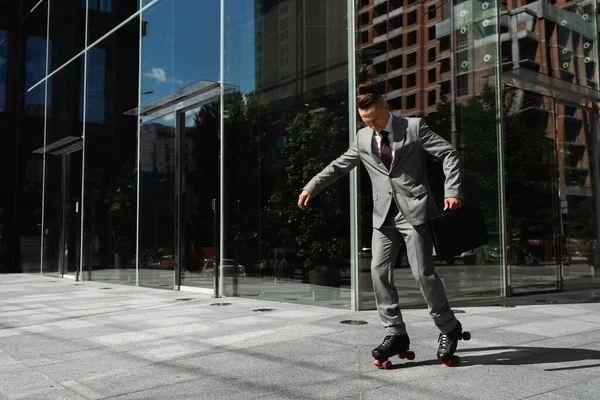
{"x":399,"y":126}
{"x":369,"y":143}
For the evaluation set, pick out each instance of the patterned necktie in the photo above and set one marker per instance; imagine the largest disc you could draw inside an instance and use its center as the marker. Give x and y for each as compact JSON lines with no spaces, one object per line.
{"x":386,"y":151}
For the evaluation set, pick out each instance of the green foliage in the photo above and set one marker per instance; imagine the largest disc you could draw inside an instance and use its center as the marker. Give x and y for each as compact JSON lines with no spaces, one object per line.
{"x":313,"y":139}
{"x":120,"y":200}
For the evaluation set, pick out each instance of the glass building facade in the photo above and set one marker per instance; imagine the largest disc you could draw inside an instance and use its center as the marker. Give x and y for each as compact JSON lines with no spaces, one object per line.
{"x":164,"y":143}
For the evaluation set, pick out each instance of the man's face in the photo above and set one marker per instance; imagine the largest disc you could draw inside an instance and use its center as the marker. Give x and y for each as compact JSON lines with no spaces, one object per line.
{"x":376,"y":116}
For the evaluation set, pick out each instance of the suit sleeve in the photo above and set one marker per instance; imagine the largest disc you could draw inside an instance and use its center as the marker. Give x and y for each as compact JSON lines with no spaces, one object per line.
{"x":334,"y":171}
{"x":440,"y":148}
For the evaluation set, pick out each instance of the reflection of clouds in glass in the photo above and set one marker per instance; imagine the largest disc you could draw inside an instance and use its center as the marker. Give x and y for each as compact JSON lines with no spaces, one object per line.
{"x":168,"y":117}
{"x":158,"y":74}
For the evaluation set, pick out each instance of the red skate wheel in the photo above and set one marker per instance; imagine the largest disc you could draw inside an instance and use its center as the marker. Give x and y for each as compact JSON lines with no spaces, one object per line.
{"x":387,"y":364}
{"x":466,"y":335}
{"x":410,"y":355}
{"x":402,"y":356}
{"x":453,"y":362}
{"x":377,"y":363}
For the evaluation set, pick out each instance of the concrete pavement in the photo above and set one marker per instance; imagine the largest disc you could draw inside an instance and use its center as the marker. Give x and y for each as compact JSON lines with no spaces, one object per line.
{"x":61,"y":339}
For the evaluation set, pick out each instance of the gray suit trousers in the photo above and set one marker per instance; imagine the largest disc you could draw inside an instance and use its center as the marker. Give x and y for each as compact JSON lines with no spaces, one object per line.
{"x":386,"y":245}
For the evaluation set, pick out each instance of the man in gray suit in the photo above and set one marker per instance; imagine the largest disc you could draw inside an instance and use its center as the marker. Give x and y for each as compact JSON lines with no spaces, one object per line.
{"x":393,"y":150}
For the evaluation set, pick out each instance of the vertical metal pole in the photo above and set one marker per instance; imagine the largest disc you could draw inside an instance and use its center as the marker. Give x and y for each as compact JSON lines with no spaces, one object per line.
{"x":500,"y":148}
{"x":139,"y":152}
{"x":219,"y":220}
{"x":82,"y":213}
{"x":178,"y":222}
{"x":452,"y":79}
{"x":217,"y":255}
{"x":354,"y":225}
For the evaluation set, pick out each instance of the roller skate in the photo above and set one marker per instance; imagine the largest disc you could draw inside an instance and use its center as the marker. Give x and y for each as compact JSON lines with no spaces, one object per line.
{"x":391,"y":346}
{"x":447,"y":346}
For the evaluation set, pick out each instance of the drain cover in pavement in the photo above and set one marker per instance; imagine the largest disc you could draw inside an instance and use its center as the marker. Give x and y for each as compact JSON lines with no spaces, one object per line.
{"x":105,"y":288}
{"x":354,"y":322}
{"x":546,"y":301}
{"x":220,"y":304}
{"x":263,"y":310}
{"x":459,"y":311}
{"x":185,"y":299}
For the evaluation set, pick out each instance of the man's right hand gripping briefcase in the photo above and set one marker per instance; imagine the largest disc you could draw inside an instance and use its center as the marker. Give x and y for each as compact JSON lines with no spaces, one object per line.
{"x":455,"y":232}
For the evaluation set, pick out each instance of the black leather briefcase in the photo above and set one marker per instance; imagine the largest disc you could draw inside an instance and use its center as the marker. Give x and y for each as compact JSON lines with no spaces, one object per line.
{"x":455,"y":232}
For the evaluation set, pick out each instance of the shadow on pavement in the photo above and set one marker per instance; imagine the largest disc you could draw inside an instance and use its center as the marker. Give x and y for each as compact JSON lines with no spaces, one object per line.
{"x":517,"y":355}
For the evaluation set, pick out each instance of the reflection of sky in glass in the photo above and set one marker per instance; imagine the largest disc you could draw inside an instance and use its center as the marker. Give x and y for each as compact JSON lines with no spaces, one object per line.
{"x":35,"y":66}
{"x":182,"y":45}
{"x":2,"y":69}
{"x":95,"y":85}
{"x":239,"y":46}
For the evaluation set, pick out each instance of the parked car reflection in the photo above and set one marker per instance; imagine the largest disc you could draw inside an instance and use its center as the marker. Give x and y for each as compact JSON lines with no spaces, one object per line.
{"x":229,"y":267}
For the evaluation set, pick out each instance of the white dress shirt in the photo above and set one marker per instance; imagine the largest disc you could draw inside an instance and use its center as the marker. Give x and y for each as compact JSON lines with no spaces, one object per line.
{"x":378,"y":137}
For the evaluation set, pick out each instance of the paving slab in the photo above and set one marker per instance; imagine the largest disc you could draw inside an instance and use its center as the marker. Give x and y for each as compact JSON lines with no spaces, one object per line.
{"x":92,"y":340}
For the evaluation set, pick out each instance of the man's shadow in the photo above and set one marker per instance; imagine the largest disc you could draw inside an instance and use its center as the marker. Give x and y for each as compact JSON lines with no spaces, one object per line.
{"x":519,"y":355}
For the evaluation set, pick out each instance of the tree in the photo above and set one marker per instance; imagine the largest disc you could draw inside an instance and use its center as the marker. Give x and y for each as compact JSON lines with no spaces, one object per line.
{"x":313,"y":139}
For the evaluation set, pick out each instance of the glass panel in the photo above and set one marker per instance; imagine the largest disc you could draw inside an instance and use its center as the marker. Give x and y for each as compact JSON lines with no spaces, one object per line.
{"x":72,"y":214}
{"x":67,"y":31}
{"x":31,"y":213}
{"x":53,"y":217}
{"x":110,"y":202}
{"x":169,"y":63}
{"x":64,"y":105}
{"x":104,"y":15}
{"x":568,"y":49}
{"x":62,"y":213}
{"x":158,"y":203}
{"x":3,"y":68}
{"x":476,"y":273}
{"x":200,"y":189}
{"x":578,"y":192}
{"x":65,"y":102}
{"x":287,"y":121}
{"x":36,"y":39}
{"x":532,"y":190}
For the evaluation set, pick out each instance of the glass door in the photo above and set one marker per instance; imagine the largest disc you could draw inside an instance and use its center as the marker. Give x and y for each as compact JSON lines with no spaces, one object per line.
{"x":158,"y":203}
{"x":62,"y":222}
{"x":178,"y":187}
{"x":198,"y":134}
{"x":71,"y":241}
{"x":578,"y":190}
{"x":532,"y":191}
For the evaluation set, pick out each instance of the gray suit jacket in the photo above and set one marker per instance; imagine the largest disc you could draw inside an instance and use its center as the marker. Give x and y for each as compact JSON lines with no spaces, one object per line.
{"x":406,"y":182}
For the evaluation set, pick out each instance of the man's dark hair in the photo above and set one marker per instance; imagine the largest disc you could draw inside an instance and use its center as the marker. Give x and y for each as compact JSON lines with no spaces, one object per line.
{"x":367,"y":94}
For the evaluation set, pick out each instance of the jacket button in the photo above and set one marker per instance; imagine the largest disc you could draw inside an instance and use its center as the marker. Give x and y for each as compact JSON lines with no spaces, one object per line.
{"x":390,"y":193}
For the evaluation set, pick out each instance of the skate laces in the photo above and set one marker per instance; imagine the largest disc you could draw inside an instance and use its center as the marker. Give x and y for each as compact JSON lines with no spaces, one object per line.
{"x":387,"y":341}
{"x":444,"y":340}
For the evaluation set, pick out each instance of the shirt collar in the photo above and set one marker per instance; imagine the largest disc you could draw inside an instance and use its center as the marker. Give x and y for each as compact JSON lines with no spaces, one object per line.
{"x":388,"y":127}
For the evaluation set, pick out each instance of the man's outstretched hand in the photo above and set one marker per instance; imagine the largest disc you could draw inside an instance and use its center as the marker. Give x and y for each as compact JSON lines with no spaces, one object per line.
{"x":304,"y":198}
{"x":452,"y":203}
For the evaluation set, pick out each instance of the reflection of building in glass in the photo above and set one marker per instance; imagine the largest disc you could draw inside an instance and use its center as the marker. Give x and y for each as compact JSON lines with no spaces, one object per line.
{"x":300,"y":53}
{"x":400,"y":45}
{"x":159,"y":152}
{"x":160,"y":199}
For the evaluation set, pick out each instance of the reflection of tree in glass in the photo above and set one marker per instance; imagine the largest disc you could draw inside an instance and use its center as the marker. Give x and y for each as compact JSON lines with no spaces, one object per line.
{"x":120,"y":200}
{"x":476,"y":123}
{"x":313,"y":139}
{"x":530,"y":162}
{"x":200,"y":169}
{"x":246,"y":122}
